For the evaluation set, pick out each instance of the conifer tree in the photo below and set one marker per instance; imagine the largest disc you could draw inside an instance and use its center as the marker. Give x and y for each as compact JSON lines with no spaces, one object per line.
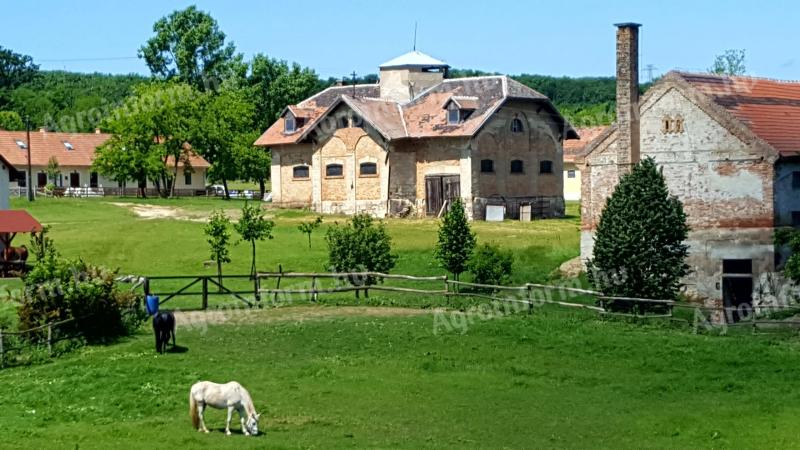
{"x":456,"y":240}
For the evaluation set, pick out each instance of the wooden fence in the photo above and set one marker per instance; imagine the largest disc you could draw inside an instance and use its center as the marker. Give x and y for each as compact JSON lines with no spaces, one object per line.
{"x":24,"y":341}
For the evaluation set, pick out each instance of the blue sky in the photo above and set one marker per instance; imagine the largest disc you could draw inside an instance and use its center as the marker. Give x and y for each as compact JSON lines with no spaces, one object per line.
{"x":339,"y":36}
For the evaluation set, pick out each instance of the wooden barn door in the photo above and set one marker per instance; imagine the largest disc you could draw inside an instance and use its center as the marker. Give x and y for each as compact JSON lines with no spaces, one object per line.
{"x":440,"y":189}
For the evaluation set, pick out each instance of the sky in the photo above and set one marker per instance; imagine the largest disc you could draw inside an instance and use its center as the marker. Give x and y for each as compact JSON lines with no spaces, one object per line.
{"x":341,"y":36}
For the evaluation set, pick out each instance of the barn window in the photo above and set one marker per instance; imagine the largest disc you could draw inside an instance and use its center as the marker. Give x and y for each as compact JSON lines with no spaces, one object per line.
{"x":289,"y":124}
{"x":796,"y":181}
{"x":487,"y":166}
{"x":516,"y":166}
{"x":21,"y":179}
{"x":300,"y":172}
{"x":343,"y":122}
{"x":453,"y":114}
{"x":334,"y":170}
{"x":546,"y":167}
{"x":571,"y":174}
{"x":367,"y":169}
{"x":516,"y":126}
{"x":187,"y":178}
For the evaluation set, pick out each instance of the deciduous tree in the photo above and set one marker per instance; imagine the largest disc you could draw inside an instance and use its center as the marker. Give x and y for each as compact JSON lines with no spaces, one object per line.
{"x":731,"y":62}
{"x":218,"y":236}
{"x":253,"y":227}
{"x":456,"y":240}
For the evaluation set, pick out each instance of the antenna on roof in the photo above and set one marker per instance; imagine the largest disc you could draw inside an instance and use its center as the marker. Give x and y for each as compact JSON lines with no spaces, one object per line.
{"x":354,"y":83}
{"x":415,"y":35}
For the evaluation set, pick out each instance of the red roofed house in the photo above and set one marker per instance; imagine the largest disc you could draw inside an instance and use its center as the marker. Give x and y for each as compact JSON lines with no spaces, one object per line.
{"x":572,"y":149}
{"x":729,"y":148}
{"x":415,"y":141}
{"x":74,"y":153}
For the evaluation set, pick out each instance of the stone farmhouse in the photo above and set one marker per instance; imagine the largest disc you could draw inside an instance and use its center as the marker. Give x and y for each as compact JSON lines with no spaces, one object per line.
{"x":729,"y":148}
{"x":75,"y":153}
{"x":416,"y":141}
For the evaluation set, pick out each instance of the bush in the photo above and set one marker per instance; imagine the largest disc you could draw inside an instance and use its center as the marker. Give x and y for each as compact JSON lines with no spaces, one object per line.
{"x":639,"y":249}
{"x":57,"y":289}
{"x":362,"y":245}
{"x":491,"y":265}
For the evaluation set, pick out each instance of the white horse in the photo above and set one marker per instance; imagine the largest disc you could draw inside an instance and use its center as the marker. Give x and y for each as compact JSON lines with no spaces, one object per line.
{"x":229,"y":395}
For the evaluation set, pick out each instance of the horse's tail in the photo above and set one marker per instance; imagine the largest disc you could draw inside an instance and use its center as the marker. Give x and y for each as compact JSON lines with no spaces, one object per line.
{"x":193,"y":411}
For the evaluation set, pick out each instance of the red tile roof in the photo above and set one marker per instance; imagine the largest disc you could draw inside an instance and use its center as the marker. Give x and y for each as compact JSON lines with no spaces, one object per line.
{"x":770,"y":108}
{"x":18,"y":221}
{"x":575,"y":147}
{"x":45,"y":144}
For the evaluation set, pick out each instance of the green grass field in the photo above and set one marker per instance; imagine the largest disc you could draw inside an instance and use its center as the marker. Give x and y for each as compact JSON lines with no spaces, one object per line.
{"x":332,"y":376}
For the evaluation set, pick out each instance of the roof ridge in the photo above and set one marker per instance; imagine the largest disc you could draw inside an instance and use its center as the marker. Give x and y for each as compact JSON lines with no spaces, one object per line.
{"x":481,"y":77}
{"x":748,"y":77}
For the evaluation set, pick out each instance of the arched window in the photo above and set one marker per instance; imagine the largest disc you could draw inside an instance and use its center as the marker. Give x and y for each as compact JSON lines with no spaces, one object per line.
{"x":453,"y":114}
{"x":516,"y":126}
{"x":546,"y":167}
{"x":300,"y":172}
{"x":516,"y":166}
{"x":343,"y":122}
{"x":367,"y":169}
{"x":334,"y":170}
{"x":487,"y":166}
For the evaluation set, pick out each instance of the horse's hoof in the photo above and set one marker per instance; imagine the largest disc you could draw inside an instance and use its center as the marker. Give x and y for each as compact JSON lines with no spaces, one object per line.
{"x":227,"y":433}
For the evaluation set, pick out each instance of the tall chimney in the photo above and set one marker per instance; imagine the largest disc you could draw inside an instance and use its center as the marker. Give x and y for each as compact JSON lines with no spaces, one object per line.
{"x":627,"y":96}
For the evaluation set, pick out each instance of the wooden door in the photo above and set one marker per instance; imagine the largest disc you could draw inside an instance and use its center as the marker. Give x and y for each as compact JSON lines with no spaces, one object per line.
{"x":440,"y":189}
{"x":41,"y":179}
{"x":74,"y":179}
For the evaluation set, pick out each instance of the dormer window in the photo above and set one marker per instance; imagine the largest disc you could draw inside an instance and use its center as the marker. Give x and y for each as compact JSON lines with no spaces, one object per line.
{"x":289,"y":123}
{"x":453,"y":114}
{"x":21,"y":145}
{"x":68,"y":146}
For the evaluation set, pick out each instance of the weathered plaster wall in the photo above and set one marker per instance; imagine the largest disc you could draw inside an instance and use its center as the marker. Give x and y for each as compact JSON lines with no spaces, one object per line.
{"x":399,"y":84}
{"x":539,"y":141}
{"x":288,"y":191}
{"x":725,"y":185}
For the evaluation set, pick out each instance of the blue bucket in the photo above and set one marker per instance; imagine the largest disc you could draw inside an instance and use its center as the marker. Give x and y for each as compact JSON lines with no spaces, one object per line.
{"x":151,"y":304}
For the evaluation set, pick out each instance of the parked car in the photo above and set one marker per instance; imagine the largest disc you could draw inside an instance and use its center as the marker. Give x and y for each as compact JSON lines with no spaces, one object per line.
{"x":216,"y":189}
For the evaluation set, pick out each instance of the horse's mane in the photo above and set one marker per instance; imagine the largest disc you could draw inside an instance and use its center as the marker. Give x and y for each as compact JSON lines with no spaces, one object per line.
{"x":247,"y":402}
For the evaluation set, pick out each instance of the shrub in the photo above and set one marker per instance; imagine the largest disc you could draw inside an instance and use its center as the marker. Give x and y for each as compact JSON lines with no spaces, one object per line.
{"x":57,"y":289}
{"x":491,"y":265}
{"x":362,"y":245}
{"x":790,"y":238}
{"x":456,"y":240}
{"x":639,"y":249}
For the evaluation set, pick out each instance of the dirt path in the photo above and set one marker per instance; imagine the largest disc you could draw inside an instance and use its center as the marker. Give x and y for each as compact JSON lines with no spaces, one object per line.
{"x":289,"y":314}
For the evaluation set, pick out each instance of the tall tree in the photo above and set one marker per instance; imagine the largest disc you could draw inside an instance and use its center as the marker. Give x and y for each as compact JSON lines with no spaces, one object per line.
{"x":188,"y":45}
{"x":254,"y":162}
{"x":253,"y":227}
{"x":639,"y":249}
{"x":53,"y":169}
{"x":150,"y":135}
{"x":275,"y":84}
{"x":731,"y":62}
{"x":223,"y":133}
{"x":456,"y":240}
{"x":15,"y":70}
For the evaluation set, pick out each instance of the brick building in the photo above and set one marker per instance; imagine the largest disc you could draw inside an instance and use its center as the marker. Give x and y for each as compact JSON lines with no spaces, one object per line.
{"x":729,"y":148}
{"x":416,"y":140}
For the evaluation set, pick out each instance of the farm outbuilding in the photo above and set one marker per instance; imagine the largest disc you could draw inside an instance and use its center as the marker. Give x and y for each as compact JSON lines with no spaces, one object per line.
{"x":414,"y":142}
{"x":729,"y":149}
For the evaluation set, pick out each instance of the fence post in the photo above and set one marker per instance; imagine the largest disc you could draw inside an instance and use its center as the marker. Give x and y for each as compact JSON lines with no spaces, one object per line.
{"x":257,"y":288}
{"x":2,"y":355}
{"x":277,"y":284}
{"x":49,"y":340}
{"x":446,"y":292}
{"x":205,"y":292}
{"x":314,"y":289}
{"x":528,"y":296}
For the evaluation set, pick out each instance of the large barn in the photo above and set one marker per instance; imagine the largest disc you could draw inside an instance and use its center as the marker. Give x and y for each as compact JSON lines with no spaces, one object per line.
{"x":729,"y":149}
{"x":416,"y":141}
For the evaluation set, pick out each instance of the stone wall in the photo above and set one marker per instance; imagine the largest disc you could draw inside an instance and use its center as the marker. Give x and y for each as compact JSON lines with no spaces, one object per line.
{"x":726,"y":187}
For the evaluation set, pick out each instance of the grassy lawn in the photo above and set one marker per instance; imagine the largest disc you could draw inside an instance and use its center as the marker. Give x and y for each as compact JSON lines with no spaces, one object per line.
{"x":332,"y":377}
{"x":106,"y":231}
{"x":553,"y":379}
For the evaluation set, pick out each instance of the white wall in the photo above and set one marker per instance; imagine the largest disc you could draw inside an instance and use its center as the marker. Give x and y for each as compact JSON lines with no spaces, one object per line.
{"x":84,"y":173}
{"x":4,"y":187}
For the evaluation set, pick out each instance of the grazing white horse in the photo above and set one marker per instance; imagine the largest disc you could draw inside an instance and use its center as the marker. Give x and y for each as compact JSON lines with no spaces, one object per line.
{"x":229,"y":395}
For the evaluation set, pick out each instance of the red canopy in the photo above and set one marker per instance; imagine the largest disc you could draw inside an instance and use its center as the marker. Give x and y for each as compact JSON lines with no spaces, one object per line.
{"x":18,"y":221}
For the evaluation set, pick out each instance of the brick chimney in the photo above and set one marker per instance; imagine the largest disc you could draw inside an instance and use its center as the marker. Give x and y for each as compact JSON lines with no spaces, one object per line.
{"x":627,"y":96}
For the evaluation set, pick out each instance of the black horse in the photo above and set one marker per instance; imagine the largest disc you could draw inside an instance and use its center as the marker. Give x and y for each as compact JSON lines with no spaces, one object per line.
{"x":164,"y":327}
